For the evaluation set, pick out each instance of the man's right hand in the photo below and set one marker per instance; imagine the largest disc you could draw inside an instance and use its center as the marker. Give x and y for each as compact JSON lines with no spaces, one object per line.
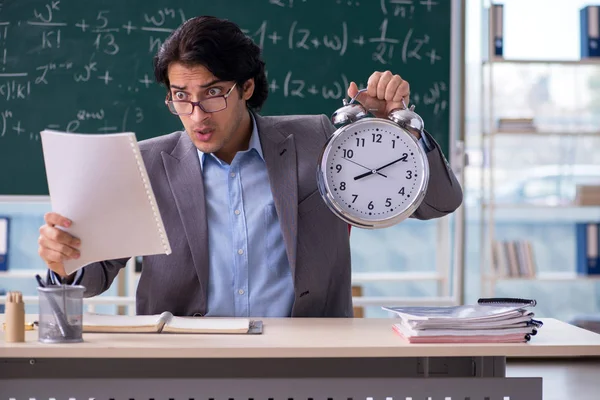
{"x":56,"y":245}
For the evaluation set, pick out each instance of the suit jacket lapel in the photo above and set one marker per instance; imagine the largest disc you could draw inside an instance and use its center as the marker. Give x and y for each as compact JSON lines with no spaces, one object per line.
{"x":279,"y":151}
{"x":185,"y":179}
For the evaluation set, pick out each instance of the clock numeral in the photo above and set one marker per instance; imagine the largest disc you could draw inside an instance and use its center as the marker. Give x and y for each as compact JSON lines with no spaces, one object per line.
{"x":401,"y":192}
{"x":348,"y":153}
{"x":338,"y":168}
{"x":355,"y":197}
{"x":388,"y":202}
{"x":370,"y":206}
{"x":405,"y":158}
{"x":360,"y":142}
{"x":376,"y":137}
{"x":342,"y":185}
{"x":393,"y":144}
{"x":408,"y":174}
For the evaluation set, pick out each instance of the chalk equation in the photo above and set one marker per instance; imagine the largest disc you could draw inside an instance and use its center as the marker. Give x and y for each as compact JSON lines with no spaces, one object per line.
{"x":51,"y":54}
{"x":291,"y":85}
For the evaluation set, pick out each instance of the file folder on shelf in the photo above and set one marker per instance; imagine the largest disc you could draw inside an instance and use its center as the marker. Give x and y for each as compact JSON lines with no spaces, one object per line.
{"x":588,"y":244}
{"x":590,"y":31}
{"x":493,"y":32}
{"x":4,"y":234}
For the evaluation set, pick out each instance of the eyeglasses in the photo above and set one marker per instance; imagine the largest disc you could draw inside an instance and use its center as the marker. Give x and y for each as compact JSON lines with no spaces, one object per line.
{"x":210,"y":105}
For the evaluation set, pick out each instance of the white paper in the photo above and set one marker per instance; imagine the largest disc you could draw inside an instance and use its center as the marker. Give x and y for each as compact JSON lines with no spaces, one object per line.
{"x":91,"y":320}
{"x":99,"y":181}
{"x":463,"y":314}
{"x":3,"y":236}
{"x":409,"y":332}
{"x":206,"y":325}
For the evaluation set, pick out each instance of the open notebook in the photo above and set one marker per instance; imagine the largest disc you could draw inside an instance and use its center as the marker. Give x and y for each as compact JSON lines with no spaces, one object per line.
{"x":168,"y":323}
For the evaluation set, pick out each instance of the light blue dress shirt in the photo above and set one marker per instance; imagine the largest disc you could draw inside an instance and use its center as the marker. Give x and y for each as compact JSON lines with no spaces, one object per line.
{"x":249,"y":273}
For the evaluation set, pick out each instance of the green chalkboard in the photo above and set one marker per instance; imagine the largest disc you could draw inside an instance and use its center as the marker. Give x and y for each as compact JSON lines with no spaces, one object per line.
{"x":86,"y":66}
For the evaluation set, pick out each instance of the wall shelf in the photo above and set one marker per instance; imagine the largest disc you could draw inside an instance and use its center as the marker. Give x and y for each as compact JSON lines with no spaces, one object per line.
{"x":561,"y":133}
{"x":523,"y":89}
{"x":583,"y":61}
{"x":546,"y":276}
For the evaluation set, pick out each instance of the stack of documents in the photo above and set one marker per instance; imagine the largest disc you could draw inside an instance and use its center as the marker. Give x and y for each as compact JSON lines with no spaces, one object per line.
{"x":488,"y":321}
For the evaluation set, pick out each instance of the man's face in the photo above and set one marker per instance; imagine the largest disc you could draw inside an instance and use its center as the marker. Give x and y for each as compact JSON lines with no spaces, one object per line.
{"x":219,"y":132}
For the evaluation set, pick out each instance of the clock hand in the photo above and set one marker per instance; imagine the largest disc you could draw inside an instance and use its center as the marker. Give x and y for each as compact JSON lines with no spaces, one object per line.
{"x":403,"y":158}
{"x":365,"y":174}
{"x":376,"y":171}
{"x":360,"y":165}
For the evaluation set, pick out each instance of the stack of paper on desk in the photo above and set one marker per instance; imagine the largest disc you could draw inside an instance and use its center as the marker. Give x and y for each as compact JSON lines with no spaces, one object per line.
{"x":168,"y":323}
{"x":485,"y":322}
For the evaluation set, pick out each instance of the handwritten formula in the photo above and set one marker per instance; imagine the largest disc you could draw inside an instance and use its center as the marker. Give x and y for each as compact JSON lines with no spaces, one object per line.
{"x":86,"y":67}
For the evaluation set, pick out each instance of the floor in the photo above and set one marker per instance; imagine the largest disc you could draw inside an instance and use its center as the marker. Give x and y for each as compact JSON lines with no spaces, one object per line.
{"x":563,"y":379}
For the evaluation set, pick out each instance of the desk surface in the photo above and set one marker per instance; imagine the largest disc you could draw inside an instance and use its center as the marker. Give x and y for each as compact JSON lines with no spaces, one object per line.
{"x":303,"y":338}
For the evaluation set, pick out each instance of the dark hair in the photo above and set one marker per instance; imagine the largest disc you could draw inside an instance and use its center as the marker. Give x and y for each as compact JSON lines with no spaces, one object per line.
{"x":221,"y":47}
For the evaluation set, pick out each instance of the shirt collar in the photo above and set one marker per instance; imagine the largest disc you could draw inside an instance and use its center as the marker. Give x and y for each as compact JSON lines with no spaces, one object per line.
{"x":254,"y":144}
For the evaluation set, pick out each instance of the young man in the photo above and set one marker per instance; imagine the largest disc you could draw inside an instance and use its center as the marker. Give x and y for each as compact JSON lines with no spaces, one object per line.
{"x":238,"y":194}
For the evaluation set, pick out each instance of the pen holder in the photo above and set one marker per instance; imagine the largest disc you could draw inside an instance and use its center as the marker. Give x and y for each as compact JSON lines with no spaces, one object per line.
{"x":61,"y":309}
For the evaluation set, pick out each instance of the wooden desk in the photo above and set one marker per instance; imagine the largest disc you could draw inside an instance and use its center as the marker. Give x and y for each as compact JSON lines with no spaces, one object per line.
{"x":293,"y":358}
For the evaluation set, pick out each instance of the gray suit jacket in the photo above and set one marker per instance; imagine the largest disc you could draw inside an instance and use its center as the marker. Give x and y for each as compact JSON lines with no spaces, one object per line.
{"x":316,"y":241}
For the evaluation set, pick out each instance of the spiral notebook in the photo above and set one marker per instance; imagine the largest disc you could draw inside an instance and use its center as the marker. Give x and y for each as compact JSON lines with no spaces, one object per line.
{"x":99,"y":181}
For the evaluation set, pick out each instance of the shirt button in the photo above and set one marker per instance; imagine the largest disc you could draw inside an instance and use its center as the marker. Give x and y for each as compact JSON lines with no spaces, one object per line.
{"x":237,"y":212}
{"x":240,"y":251}
{"x":241,"y":291}
{"x":232,"y":174}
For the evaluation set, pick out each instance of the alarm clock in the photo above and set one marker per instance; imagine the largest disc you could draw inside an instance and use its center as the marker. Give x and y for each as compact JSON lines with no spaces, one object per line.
{"x":372,"y":172}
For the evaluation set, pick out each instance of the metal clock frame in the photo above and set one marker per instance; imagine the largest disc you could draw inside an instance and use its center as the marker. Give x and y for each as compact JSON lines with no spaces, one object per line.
{"x":333,"y":205}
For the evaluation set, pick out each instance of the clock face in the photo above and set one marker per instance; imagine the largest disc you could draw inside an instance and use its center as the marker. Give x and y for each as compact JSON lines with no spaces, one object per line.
{"x":373,"y":173}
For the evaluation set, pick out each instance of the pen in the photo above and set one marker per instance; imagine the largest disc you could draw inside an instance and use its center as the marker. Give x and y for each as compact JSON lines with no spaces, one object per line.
{"x":39,"y":280}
